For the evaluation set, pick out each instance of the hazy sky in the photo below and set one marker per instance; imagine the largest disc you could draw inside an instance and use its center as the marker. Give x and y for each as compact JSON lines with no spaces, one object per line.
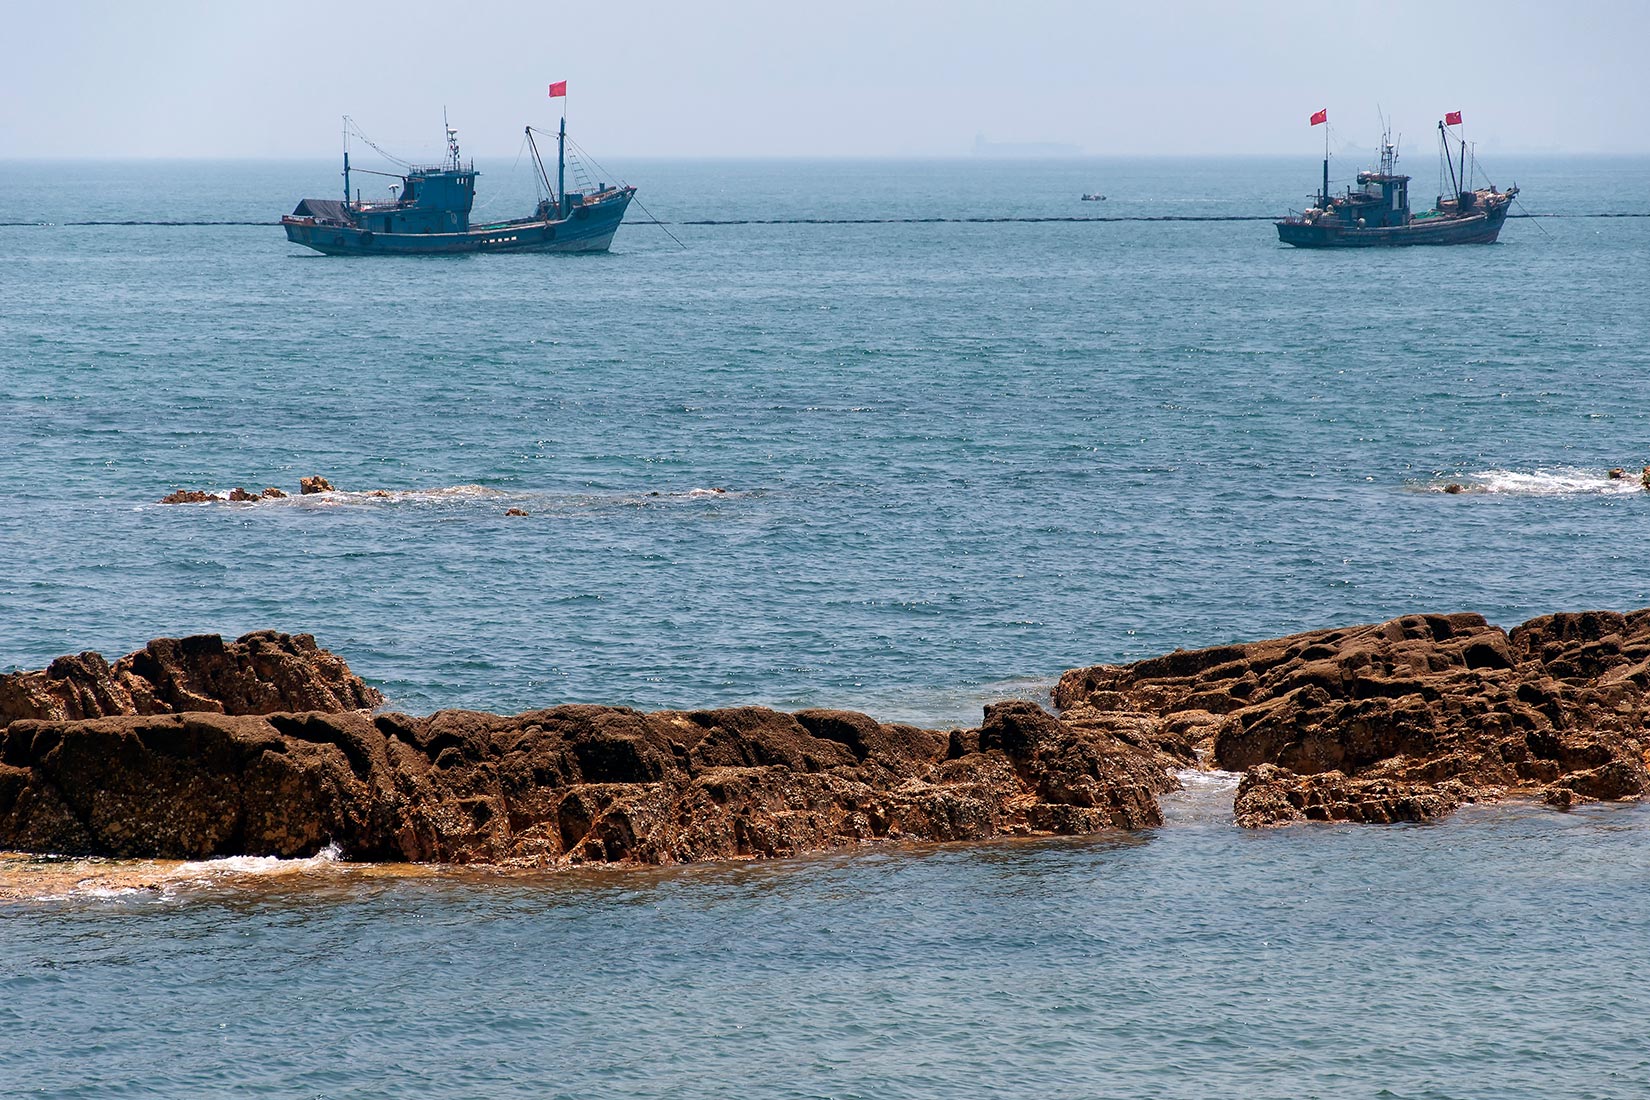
{"x":834,"y":78}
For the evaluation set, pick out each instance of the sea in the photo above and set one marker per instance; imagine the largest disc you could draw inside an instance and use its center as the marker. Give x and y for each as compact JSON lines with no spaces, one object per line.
{"x":907,"y":437}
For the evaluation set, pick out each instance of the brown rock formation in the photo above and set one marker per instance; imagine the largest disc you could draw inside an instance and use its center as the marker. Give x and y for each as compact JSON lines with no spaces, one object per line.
{"x":188,"y":496}
{"x":317,"y":484}
{"x":261,"y":673}
{"x":1401,"y":721}
{"x":565,"y":785}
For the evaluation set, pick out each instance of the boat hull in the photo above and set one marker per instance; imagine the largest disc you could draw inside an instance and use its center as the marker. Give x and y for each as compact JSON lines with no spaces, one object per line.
{"x":587,"y":229}
{"x":1480,"y":228}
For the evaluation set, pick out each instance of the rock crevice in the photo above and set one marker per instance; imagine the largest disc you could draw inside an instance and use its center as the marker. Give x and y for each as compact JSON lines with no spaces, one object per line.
{"x":1397,"y":721}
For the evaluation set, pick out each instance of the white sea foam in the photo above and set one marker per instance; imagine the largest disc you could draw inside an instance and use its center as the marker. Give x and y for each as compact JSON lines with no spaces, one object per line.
{"x":1204,"y":798}
{"x":1196,"y":779}
{"x":405,"y":496}
{"x":1548,"y":481}
{"x":228,"y":866}
{"x":535,"y":500}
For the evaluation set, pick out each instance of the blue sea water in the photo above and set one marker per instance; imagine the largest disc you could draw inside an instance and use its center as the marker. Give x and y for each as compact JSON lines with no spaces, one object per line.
{"x":959,"y":457}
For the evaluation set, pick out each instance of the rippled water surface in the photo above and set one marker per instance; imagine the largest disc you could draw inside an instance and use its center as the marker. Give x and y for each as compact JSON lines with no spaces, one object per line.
{"x":1499,"y":954}
{"x":960,"y":457}
{"x":906,"y":467}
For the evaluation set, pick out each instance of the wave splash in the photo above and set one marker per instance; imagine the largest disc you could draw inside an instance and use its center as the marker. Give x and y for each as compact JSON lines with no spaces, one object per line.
{"x":31,"y":879}
{"x":460,"y":495}
{"x":1541,"y":482}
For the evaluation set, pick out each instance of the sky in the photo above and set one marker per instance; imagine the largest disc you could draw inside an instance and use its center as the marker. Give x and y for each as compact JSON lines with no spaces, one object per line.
{"x":730,"y":78}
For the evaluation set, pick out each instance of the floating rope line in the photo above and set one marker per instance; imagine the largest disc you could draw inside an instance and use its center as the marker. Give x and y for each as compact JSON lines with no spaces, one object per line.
{"x":858,"y":221}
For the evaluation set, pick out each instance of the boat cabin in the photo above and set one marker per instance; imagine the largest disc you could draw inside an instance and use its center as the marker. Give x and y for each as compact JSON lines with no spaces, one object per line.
{"x":432,"y":200}
{"x":1384,"y":200}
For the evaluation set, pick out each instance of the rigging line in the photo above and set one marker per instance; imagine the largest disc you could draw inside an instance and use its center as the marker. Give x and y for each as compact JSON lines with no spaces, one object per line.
{"x":594,"y":162}
{"x":488,"y":205}
{"x":658,"y":223}
{"x":355,"y":127}
{"x":1533,"y":218}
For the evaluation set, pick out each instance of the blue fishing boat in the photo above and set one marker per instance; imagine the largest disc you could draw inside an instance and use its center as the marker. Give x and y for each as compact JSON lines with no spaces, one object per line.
{"x":431,"y":213}
{"x":1378,"y":214}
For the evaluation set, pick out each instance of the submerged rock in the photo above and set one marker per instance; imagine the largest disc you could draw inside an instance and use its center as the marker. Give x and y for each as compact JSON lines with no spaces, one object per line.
{"x":570,"y":784}
{"x":237,"y":494}
{"x":1400,"y":721}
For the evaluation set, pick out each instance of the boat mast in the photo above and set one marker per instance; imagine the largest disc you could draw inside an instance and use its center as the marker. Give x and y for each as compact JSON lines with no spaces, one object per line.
{"x":1323,"y":200}
{"x":1443,"y":136}
{"x":538,"y":160}
{"x":452,"y":142}
{"x":561,"y":167}
{"x":346,"y":160}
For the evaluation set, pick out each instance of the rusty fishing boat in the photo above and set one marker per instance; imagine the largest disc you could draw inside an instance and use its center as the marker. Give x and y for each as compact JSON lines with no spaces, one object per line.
{"x":428,"y":212}
{"x":1377,"y":212}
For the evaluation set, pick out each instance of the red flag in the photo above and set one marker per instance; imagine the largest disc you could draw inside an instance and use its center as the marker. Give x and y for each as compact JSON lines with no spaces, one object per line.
{"x":1453,"y":118}
{"x":559,"y":88}
{"x":1321,"y":116}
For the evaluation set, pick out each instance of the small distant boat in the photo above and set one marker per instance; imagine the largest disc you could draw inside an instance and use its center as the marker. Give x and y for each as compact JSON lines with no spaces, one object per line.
{"x":432,"y":213}
{"x":1378,"y":213}
{"x":1094,"y":198}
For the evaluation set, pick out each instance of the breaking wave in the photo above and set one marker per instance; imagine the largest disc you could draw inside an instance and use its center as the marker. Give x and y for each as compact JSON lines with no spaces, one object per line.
{"x":33,"y":879}
{"x":1204,"y":798}
{"x":1550,"y":481}
{"x":530,"y":501}
{"x":1196,"y":779}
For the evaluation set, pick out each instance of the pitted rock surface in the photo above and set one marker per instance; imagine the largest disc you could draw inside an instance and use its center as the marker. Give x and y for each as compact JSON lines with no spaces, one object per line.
{"x":260,"y":673}
{"x":570,"y":784}
{"x":1399,"y":721}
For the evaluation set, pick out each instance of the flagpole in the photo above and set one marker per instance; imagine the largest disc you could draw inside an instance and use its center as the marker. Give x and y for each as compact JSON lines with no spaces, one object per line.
{"x":1324,"y":201}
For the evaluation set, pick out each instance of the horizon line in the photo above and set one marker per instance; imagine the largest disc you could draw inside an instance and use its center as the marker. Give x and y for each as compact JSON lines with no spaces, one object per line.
{"x":1007,"y":158}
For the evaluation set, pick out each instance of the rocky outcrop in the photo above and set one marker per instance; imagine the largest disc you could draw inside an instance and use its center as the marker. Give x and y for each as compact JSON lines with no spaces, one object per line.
{"x":266,"y":746}
{"x":1399,"y":721}
{"x":570,"y":784}
{"x":239,"y":495}
{"x":260,"y":673}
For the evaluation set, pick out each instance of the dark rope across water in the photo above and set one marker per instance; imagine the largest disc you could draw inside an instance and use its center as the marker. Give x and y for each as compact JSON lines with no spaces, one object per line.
{"x":992,"y":220}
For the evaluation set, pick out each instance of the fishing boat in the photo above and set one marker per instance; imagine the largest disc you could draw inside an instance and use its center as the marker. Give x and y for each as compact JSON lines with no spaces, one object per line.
{"x":1377,"y":213}
{"x":431,"y":212}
